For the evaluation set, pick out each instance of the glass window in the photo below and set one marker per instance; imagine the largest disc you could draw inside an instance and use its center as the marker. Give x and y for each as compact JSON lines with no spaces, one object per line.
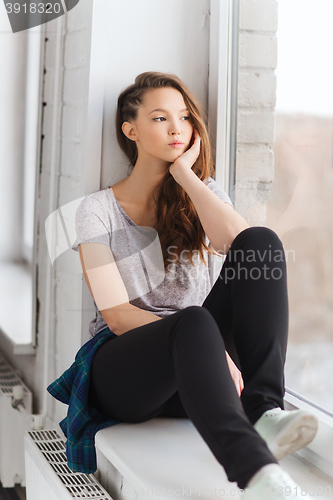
{"x":300,"y":207}
{"x":19,"y":120}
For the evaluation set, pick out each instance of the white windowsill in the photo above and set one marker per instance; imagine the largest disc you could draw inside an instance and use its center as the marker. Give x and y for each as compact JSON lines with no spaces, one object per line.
{"x":16,"y":307}
{"x":166,"y":454}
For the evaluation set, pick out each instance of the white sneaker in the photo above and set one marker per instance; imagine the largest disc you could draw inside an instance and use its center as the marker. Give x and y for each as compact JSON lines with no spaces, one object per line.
{"x":276,"y":486}
{"x":286,"y":431}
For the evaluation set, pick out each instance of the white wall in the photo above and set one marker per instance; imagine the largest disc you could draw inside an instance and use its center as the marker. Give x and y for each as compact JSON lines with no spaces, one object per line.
{"x":170,"y":36}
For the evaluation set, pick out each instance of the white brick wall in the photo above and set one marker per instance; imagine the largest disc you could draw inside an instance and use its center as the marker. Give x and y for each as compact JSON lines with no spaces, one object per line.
{"x":257,"y":51}
{"x":258,"y":15}
{"x":256,"y":89}
{"x":256,"y":104}
{"x":68,"y":153}
{"x":255,"y":127}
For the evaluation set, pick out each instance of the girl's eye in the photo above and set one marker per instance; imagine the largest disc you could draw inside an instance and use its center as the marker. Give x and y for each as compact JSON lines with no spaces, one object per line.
{"x":161,"y":118}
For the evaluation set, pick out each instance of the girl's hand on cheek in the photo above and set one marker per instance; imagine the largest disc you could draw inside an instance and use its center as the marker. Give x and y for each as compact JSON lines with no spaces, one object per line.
{"x":186,"y":160}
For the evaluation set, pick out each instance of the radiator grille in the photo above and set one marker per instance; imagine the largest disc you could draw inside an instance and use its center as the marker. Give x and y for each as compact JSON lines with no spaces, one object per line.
{"x":52,"y":448}
{"x":8,"y":378}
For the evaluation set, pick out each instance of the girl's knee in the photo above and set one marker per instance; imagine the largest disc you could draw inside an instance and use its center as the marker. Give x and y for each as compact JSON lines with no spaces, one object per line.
{"x":196,"y":319}
{"x":258,"y":235}
{"x":196,"y":330}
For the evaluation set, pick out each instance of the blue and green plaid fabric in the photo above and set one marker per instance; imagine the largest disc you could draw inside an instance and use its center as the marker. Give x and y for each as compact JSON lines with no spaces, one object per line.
{"x":82,"y":421}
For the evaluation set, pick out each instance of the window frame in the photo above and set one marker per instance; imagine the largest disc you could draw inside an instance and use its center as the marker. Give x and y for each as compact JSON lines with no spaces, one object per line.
{"x":29,"y":174}
{"x":222,"y":98}
{"x":32,"y":141}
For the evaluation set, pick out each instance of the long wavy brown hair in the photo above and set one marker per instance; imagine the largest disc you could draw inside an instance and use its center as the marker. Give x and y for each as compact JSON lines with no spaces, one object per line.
{"x":178,"y":224}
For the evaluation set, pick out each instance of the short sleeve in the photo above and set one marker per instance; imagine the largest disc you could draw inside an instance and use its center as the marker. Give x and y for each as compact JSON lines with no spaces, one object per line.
{"x":92,"y":223}
{"x":213,"y":185}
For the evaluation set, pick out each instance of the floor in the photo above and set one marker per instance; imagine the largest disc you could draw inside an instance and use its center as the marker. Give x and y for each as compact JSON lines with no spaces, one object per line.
{"x":17,"y":493}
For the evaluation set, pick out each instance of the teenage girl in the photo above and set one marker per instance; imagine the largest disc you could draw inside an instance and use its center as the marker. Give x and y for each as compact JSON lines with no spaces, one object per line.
{"x":179,"y":347}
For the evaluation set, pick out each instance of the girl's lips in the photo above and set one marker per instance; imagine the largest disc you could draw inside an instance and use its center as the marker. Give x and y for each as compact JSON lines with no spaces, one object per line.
{"x":176,"y":145}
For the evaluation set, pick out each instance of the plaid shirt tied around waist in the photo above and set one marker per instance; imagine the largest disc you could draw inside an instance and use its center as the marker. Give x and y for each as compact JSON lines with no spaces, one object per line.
{"x":82,"y":421}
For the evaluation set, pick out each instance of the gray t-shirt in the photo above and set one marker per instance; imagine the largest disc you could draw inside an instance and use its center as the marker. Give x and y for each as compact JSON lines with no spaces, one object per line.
{"x":138,"y":256}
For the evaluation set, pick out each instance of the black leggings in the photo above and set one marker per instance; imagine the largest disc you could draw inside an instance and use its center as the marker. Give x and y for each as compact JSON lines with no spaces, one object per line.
{"x":176,"y":367}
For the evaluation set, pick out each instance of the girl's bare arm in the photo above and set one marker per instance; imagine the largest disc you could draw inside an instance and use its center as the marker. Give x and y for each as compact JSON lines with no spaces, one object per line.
{"x":219,"y":220}
{"x":108,"y":290}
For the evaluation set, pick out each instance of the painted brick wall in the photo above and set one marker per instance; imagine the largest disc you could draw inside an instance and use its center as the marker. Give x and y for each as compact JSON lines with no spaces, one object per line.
{"x":66,"y":81}
{"x":256,"y":105}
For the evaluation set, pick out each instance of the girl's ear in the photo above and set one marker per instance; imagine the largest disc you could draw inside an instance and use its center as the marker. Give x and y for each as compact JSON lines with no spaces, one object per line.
{"x":129,"y":130}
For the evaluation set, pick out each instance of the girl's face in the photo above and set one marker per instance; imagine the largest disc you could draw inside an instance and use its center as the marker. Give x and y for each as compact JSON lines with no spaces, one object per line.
{"x":163,"y":127}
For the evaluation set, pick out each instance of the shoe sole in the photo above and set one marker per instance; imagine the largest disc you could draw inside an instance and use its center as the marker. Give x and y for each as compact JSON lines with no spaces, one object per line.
{"x":295,"y":436}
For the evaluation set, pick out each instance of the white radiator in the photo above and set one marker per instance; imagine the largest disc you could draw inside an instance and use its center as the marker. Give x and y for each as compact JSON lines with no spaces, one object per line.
{"x":48,"y":476}
{"x":12,"y":427}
